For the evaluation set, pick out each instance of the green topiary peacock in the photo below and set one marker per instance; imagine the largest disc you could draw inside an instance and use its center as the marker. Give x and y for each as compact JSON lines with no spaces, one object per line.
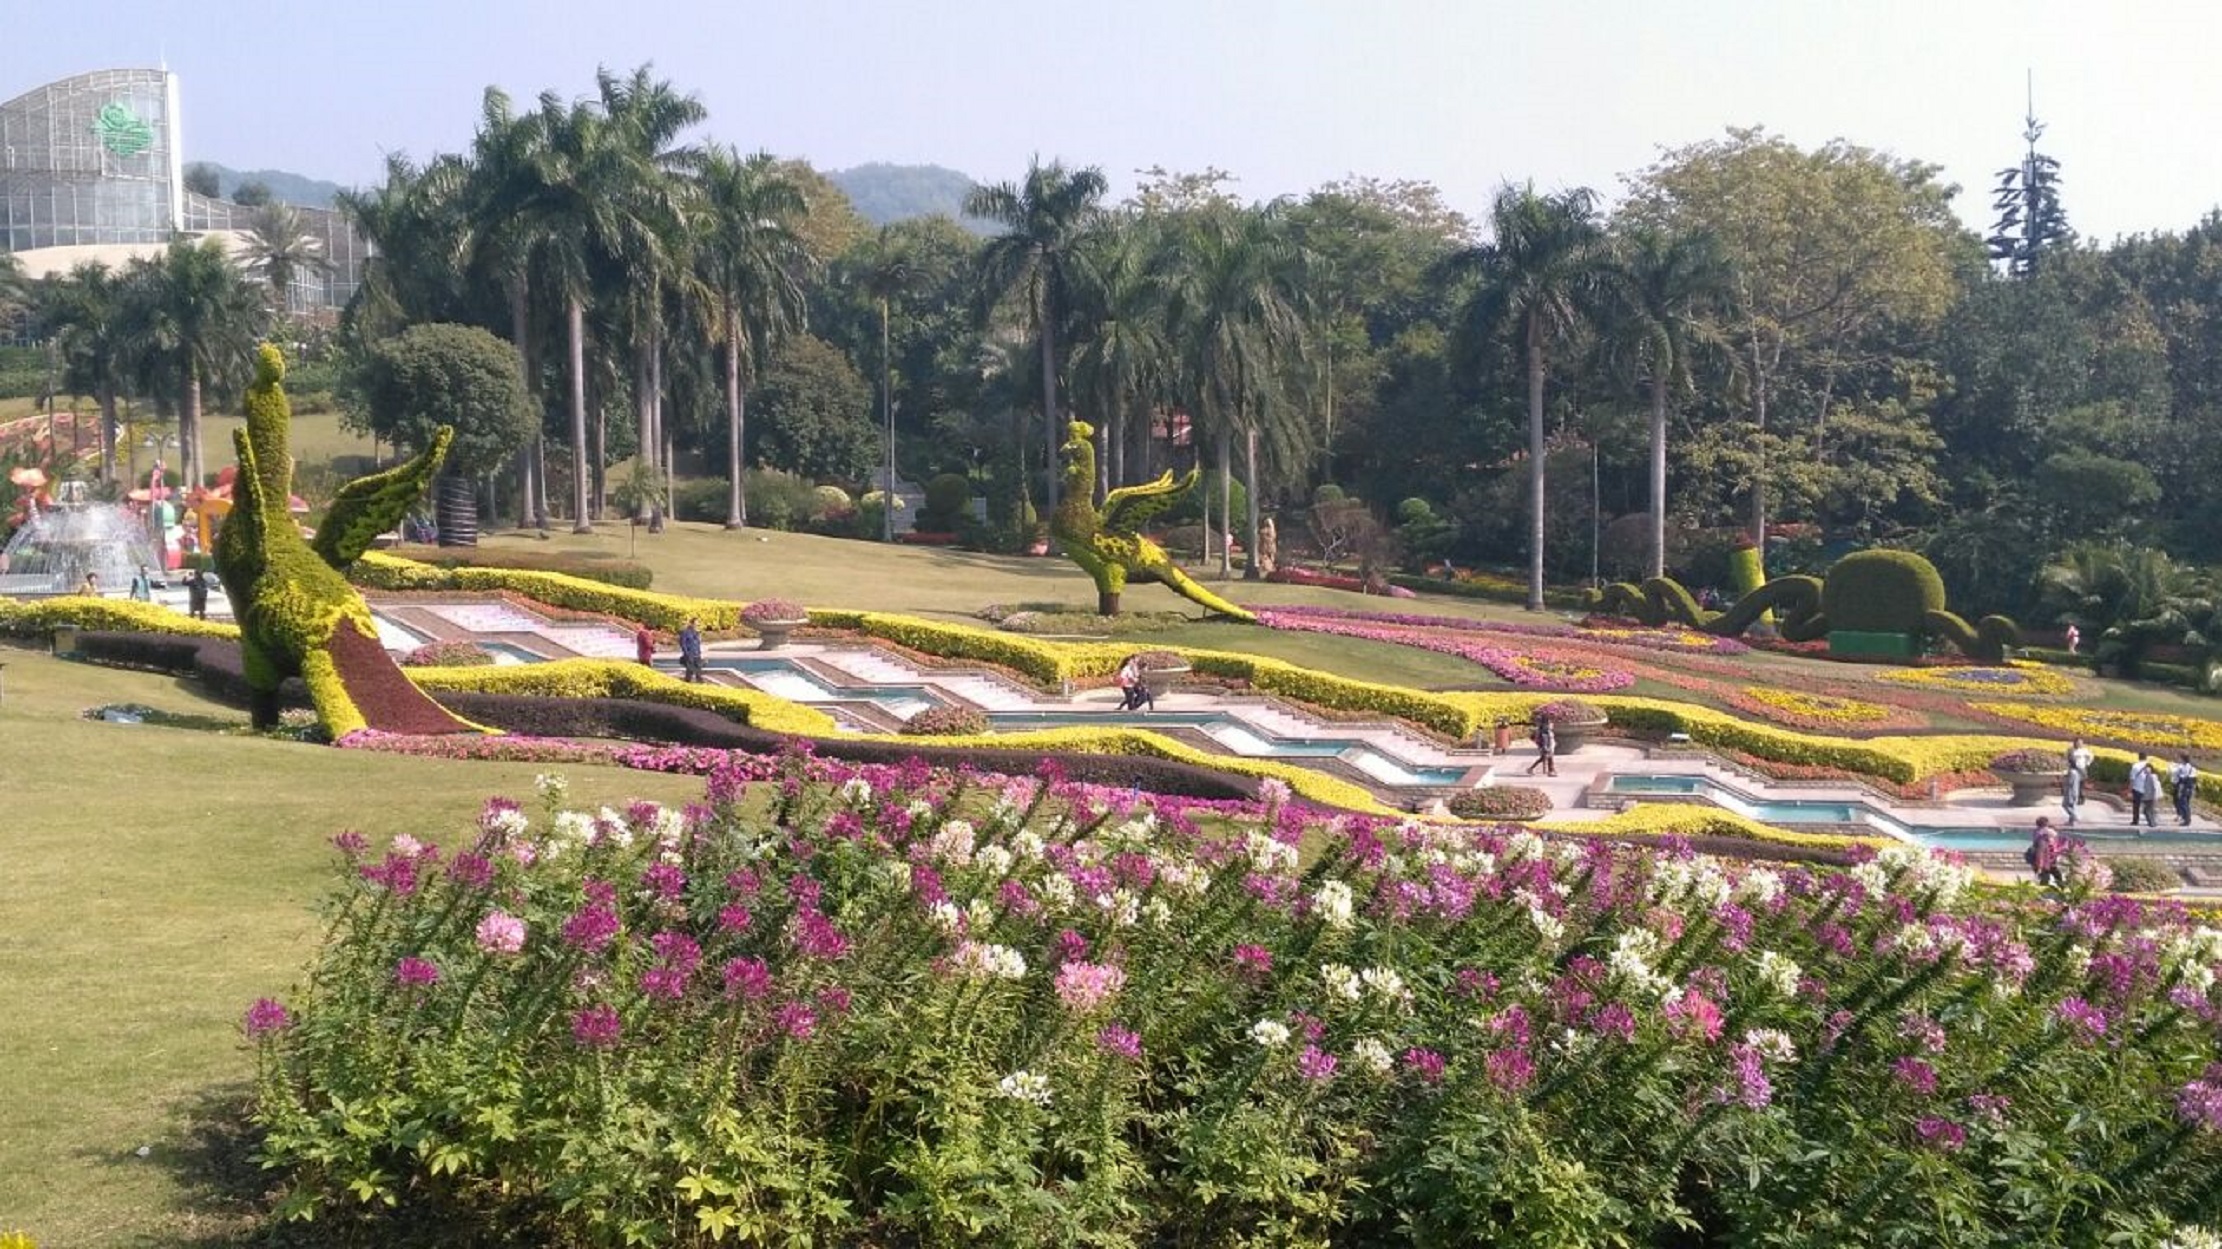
{"x":1868,"y":595}
{"x":298,"y":616}
{"x":1109,"y":545}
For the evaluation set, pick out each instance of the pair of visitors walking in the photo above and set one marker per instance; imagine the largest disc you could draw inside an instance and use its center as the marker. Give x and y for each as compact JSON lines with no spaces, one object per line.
{"x":2144,"y":792}
{"x":1134,"y":692}
{"x":1546,"y":747}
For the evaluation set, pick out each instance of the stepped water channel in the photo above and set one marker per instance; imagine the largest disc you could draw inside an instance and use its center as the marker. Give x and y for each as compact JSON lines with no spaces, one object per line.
{"x":872,"y":689}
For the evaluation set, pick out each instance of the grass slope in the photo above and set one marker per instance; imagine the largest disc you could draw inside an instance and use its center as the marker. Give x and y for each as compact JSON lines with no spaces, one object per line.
{"x":154,"y":881}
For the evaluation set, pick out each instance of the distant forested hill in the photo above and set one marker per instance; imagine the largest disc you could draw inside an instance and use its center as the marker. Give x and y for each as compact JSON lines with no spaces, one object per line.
{"x":884,"y":193}
{"x":292,"y":188}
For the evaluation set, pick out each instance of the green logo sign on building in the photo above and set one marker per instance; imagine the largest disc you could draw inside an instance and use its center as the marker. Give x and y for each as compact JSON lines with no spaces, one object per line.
{"x":121,"y":131}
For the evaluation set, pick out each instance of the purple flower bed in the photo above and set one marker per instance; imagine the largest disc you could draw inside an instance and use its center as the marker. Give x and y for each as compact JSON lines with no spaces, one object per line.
{"x":1534,"y":668}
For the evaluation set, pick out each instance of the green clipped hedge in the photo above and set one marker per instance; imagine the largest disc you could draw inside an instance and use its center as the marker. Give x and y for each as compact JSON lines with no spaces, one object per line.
{"x":668,"y":612}
{"x":624,"y":573}
{"x":1881,"y":592}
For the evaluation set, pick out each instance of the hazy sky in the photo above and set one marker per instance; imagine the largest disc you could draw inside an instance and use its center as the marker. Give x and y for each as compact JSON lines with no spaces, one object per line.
{"x":1284,"y":95}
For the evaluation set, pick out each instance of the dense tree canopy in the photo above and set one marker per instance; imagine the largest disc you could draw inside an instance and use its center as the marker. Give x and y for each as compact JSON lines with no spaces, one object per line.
{"x":433,"y":375}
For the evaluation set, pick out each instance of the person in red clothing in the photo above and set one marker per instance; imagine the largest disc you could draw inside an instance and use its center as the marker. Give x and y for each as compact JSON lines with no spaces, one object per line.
{"x":2044,"y":854}
{"x":644,"y":646}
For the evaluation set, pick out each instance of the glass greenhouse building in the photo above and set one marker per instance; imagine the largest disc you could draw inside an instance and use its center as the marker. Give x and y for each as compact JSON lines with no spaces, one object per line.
{"x":92,"y":168}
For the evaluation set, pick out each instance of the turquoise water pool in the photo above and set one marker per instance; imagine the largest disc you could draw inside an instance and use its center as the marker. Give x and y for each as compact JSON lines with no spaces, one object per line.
{"x":1826,"y":811}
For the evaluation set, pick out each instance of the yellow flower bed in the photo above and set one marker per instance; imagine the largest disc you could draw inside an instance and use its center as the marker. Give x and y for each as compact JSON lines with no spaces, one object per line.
{"x":113,"y":615}
{"x":2020,"y":678}
{"x":609,"y":678}
{"x":1689,"y":819}
{"x":2146,"y":728}
{"x":1849,"y":712}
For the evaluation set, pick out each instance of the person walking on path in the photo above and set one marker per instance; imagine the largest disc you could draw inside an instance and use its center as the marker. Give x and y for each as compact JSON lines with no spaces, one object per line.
{"x":2183,"y":782}
{"x":2044,"y":854}
{"x":2074,"y":635}
{"x":1546,"y":748}
{"x":2144,"y":791}
{"x":2079,"y":771}
{"x":196,"y":594}
{"x":690,"y":650}
{"x":142,"y":586}
{"x":644,"y":646}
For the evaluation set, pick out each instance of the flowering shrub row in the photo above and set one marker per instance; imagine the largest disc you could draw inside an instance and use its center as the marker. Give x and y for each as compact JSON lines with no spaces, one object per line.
{"x":668,"y":612}
{"x":914,"y":1008}
{"x":1604,"y":630}
{"x":605,"y":678}
{"x":39,"y":618}
{"x":1822,"y":712}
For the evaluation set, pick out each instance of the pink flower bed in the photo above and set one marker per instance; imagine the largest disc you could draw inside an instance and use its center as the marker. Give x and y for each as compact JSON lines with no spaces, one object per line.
{"x":1530,"y":668}
{"x":1603,"y":633}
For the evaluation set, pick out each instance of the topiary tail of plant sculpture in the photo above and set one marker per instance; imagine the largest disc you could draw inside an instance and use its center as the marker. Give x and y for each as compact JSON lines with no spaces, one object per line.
{"x":1109,"y":546}
{"x":1663,"y":601}
{"x":297,"y":615}
{"x":369,"y":506}
{"x":1988,"y":640}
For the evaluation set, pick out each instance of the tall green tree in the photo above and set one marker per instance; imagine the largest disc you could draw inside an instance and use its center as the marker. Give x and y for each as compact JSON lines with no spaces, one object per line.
{"x":1122,"y":365}
{"x":193,"y":317}
{"x":459,"y":376}
{"x":1235,"y":309}
{"x":887,"y":272}
{"x":1664,"y":286}
{"x":755,"y":264}
{"x":1035,"y":263}
{"x":1538,"y":282}
{"x":1836,"y":252}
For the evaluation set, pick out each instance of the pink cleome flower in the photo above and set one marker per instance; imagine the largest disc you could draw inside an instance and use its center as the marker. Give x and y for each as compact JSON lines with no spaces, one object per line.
{"x":415,"y":972}
{"x":501,"y":933}
{"x":1084,"y":987}
{"x":1120,"y":1040}
{"x":596,"y":1027}
{"x":1316,"y":1064}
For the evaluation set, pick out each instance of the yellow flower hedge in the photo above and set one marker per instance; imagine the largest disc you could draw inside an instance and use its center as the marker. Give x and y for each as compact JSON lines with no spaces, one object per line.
{"x":609,"y":678}
{"x":110,"y":615}
{"x":1688,"y":819}
{"x":668,"y":612}
{"x":2146,"y":728}
{"x":2017,"y":679}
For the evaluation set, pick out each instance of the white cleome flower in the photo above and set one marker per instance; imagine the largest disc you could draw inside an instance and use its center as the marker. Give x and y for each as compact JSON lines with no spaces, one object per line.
{"x":1759,"y":886}
{"x":1547,"y":926}
{"x":1027,"y":843}
{"x":1780,"y":974}
{"x":856,"y":791}
{"x":1333,"y":904}
{"x":994,"y":860}
{"x":1773,"y":1044}
{"x":946,"y":916}
{"x":1270,"y":1033}
{"x":2192,"y":1238}
{"x":1341,"y":981}
{"x":1268,"y":855}
{"x":1385,"y":983}
{"x":1025,"y":1086}
{"x":1372,"y":1055}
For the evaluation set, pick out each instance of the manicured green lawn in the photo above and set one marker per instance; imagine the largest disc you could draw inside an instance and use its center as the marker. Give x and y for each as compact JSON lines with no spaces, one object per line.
{"x":153,"y":881}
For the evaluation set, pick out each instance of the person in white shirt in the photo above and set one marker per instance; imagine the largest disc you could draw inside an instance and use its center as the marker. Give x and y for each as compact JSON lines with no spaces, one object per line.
{"x":2144,"y":791}
{"x":2183,"y":782}
{"x":2079,"y":771}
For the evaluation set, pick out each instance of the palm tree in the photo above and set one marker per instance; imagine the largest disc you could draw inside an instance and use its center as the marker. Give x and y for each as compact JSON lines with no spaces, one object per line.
{"x":85,"y":314}
{"x":1538,"y":276}
{"x":2127,"y":598}
{"x":504,"y":243}
{"x":751,"y":257}
{"x":193,"y":316}
{"x":280,"y":249}
{"x":1663,"y":284}
{"x":1123,"y":366}
{"x":1036,"y":261}
{"x":647,"y":116}
{"x":1235,"y":309}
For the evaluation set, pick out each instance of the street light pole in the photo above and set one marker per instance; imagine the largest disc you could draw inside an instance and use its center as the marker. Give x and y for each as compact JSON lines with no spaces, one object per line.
{"x":887,"y":409}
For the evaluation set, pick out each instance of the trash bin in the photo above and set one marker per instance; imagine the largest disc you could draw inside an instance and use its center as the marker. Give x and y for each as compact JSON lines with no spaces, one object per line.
{"x":65,"y":639}
{"x":1503,"y":738}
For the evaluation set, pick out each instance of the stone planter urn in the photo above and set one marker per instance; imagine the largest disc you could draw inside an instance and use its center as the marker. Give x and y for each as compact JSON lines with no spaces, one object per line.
{"x":1573,"y":722}
{"x":773,"y":619}
{"x":773,"y":633}
{"x":2034,"y":776}
{"x":1159,"y":680}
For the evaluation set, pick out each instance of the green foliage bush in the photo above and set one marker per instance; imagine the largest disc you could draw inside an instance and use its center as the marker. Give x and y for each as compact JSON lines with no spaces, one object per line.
{"x":948,"y":502}
{"x":700,"y":499}
{"x":777,"y":499}
{"x":830,"y":503}
{"x":2138,"y":874}
{"x":1881,"y":591}
{"x":456,"y":375}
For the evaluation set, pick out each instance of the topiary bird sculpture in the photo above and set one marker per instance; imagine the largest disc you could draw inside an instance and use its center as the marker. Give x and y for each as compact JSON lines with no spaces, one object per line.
{"x":298,"y":616}
{"x":1108,"y":544}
